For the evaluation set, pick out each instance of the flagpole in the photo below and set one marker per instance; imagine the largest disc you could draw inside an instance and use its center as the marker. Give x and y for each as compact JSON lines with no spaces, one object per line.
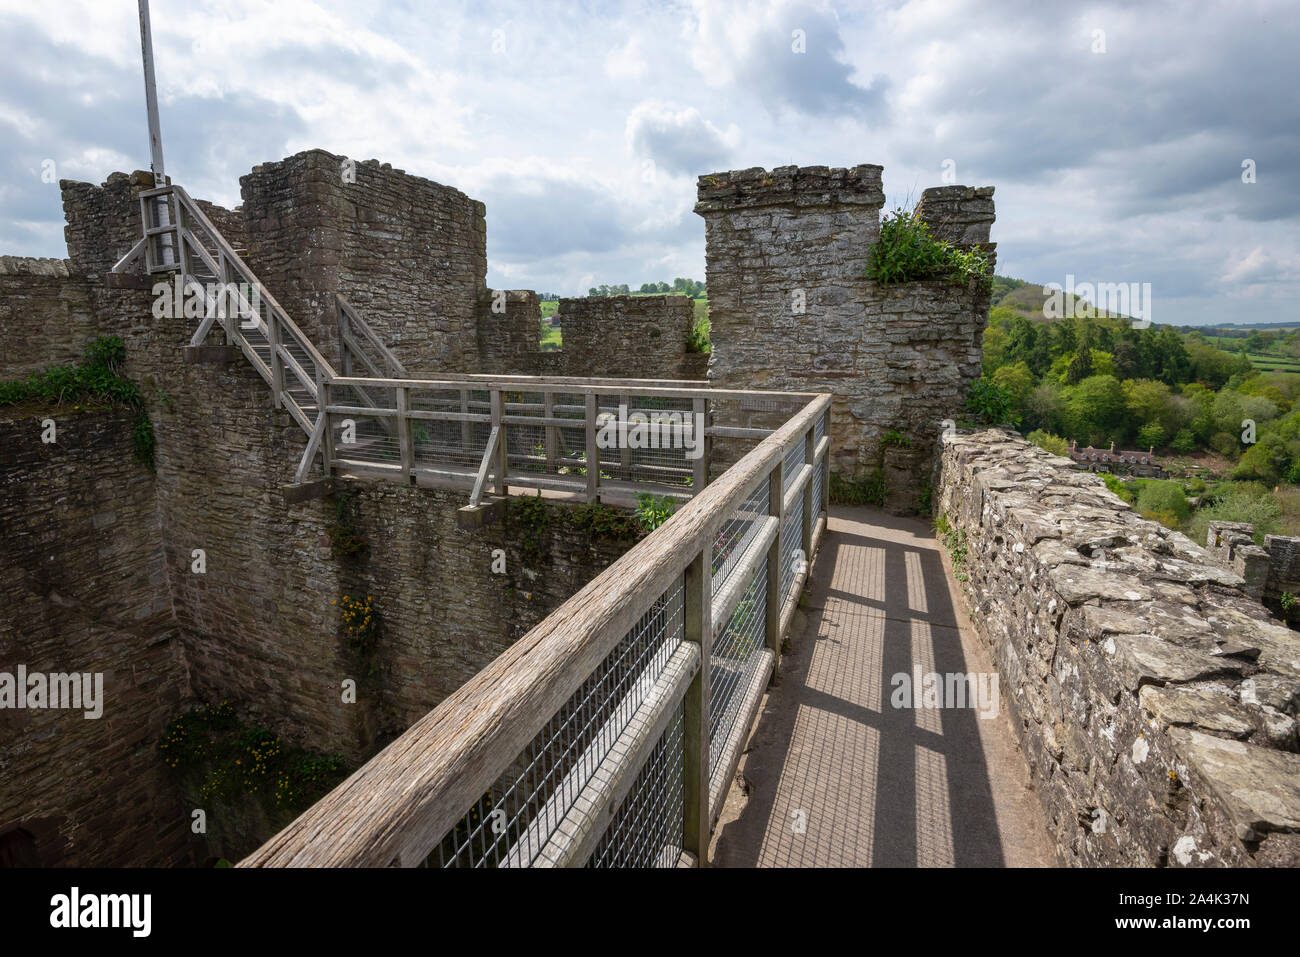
{"x":151,"y":97}
{"x":162,"y":209}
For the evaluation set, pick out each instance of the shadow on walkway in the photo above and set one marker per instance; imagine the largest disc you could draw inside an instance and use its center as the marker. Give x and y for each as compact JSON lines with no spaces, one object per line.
{"x":836,"y":774}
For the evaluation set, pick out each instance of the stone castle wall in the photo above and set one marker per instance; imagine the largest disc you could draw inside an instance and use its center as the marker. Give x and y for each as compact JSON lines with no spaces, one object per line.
{"x":81,"y":555}
{"x":790,"y":308}
{"x":258,"y":627}
{"x":409,"y":254}
{"x":1155,"y":701}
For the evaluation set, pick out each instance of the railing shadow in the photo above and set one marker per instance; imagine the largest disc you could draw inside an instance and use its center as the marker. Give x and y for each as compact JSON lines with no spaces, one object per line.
{"x":876,"y":635}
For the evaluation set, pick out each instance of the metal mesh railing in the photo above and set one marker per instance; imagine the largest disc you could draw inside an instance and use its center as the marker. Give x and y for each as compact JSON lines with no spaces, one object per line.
{"x":649,"y":829}
{"x":732,"y":662}
{"x":791,"y":545}
{"x":795,"y":460}
{"x":819,"y":486}
{"x":736,"y":534}
{"x":653,"y":447}
{"x":512,"y":822}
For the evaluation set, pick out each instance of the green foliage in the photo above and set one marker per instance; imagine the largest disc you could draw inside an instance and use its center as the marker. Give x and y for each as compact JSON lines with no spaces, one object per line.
{"x":226,"y":758}
{"x":1184,"y":442}
{"x":344,"y":532}
{"x":1224,"y":443}
{"x":906,"y":251}
{"x":1159,"y":496}
{"x":653,"y":510}
{"x":894,"y":438}
{"x":990,"y":403}
{"x":527,"y":519}
{"x":1119,"y":487}
{"x":954,"y":540}
{"x":869,"y":490}
{"x":1151,"y":435}
{"x":1238,"y":502}
{"x":1052,"y":443}
{"x":699,"y":340}
{"x":97,"y":376}
{"x":602,"y":521}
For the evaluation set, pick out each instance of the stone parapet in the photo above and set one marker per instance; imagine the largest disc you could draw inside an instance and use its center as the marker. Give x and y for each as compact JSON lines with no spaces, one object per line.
{"x":1155,"y":701}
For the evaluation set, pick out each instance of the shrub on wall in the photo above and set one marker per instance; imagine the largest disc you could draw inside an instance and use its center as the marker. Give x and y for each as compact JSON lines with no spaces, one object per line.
{"x":97,"y":376}
{"x":907,"y":251}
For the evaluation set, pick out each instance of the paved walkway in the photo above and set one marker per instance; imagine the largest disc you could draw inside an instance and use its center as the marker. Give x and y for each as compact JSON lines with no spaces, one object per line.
{"x":835,"y":775}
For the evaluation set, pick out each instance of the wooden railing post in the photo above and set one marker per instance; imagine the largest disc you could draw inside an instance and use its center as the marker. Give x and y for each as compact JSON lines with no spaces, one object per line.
{"x":775,"y":598}
{"x":624,"y":450}
{"x":327,"y":440}
{"x":593,"y":453}
{"x":826,"y":463}
{"x":273,"y":333}
{"x":696,"y":771}
{"x":502,"y":463}
{"x":345,"y":351}
{"x":405,"y":443}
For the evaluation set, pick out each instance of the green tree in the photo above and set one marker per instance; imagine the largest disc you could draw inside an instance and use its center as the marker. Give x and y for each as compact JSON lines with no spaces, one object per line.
{"x":1095,"y":408}
{"x":1151,"y":435}
{"x":1080,"y":367}
{"x":1017,"y":380}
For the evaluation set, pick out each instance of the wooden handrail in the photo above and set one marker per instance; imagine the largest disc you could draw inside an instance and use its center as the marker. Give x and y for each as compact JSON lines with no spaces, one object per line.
{"x":361,"y":326}
{"x":401,"y":803}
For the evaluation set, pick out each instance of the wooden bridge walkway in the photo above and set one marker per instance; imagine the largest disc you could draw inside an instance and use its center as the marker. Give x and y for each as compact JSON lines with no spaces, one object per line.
{"x":837,"y":776}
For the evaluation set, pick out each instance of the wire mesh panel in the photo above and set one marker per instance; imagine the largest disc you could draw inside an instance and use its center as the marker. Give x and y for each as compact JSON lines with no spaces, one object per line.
{"x":794,"y":463}
{"x":512,"y":822}
{"x":370,"y":439}
{"x":645,"y":439}
{"x":791,"y":545}
{"x":649,"y":829}
{"x":819,"y":485}
{"x":446,"y":443}
{"x":733,"y":661}
{"x":734,"y":536}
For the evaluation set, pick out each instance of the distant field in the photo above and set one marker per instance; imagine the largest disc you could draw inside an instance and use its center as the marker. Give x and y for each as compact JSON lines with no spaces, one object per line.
{"x":1273,"y":363}
{"x":551,"y":338}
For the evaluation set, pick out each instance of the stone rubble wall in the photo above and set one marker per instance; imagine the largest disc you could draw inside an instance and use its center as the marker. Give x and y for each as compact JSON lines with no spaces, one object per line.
{"x":47,"y":316}
{"x":633,"y":337}
{"x":1232,"y":545}
{"x":82,"y":560}
{"x":257,"y":628}
{"x":1155,"y":702}
{"x":791,"y":309}
{"x":409,"y":254}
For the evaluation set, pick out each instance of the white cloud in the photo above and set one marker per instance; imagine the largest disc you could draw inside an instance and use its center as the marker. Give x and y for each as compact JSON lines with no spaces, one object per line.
{"x":626,"y":62}
{"x":678,"y":141}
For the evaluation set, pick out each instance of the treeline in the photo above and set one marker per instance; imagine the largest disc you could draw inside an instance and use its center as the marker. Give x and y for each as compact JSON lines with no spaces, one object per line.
{"x":1100,"y":380}
{"x":681,"y":287}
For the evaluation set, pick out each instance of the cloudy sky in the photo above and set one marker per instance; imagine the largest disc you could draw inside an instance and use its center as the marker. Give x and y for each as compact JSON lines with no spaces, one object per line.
{"x":1114,"y":134}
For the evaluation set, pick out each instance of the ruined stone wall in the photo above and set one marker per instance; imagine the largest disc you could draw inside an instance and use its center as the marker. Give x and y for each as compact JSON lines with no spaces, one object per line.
{"x":82,"y":561}
{"x":631,"y":337}
{"x":790,"y":309}
{"x":47,"y":317}
{"x":258,"y":627}
{"x":1155,"y":702}
{"x":509,"y":340}
{"x":103,"y":222}
{"x":408,"y":253}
